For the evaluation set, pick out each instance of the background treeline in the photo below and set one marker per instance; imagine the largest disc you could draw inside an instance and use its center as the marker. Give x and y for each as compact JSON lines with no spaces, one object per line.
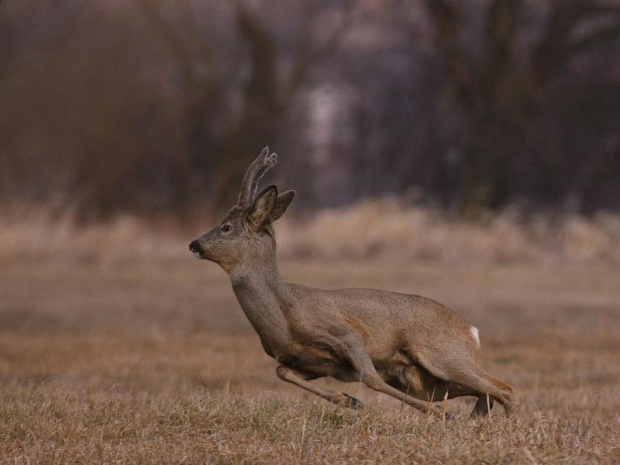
{"x":152,"y":106}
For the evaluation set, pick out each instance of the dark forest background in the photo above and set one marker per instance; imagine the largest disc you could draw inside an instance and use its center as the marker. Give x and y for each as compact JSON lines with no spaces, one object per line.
{"x":156,"y":107}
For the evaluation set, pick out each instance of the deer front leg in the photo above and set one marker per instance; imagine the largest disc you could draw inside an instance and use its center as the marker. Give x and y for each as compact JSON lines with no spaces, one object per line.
{"x":339,"y":398}
{"x":358,"y":356}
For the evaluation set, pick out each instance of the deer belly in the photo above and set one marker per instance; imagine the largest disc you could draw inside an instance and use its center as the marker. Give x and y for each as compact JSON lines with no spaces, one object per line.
{"x":320,"y":362}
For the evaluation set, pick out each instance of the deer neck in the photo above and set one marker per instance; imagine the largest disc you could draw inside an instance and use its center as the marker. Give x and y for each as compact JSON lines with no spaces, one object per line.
{"x":265,"y":299}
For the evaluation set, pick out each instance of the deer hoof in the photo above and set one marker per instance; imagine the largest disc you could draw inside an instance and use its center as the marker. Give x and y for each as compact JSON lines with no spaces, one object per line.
{"x":442,"y":414}
{"x":352,"y":402}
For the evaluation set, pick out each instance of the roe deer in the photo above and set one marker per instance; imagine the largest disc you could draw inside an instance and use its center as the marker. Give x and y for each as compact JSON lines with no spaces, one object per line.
{"x":409,"y":347}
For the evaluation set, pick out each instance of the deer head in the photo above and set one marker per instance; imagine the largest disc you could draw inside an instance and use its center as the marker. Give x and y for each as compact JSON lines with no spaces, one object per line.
{"x":246,"y":233}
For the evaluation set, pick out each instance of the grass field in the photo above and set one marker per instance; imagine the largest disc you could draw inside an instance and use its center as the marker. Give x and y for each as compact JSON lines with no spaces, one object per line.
{"x":155,"y":363}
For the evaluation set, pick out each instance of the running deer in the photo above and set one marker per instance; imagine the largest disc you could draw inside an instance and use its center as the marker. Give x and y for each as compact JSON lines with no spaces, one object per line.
{"x":406,"y":346}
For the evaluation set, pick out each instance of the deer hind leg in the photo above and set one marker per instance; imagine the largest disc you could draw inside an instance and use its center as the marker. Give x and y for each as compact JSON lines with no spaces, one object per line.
{"x":446,"y":390}
{"x":485,"y":384}
{"x":483,"y":406}
{"x":437,"y":389}
{"x":299,"y":379}
{"x":510,"y":401}
{"x":469,"y":375}
{"x":419,"y":382}
{"x":354,"y":350}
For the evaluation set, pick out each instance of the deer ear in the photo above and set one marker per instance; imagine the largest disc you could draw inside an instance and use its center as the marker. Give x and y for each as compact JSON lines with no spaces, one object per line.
{"x":282,"y":203}
{"x":263,"y":206}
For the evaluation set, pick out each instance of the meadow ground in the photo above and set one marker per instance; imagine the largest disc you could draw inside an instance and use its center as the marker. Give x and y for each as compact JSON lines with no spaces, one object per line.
{"x":155,"y":363}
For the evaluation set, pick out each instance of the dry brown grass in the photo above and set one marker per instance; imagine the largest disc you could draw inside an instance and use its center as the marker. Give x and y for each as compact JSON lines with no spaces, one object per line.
{"x":387,"y":229}
{"x":154,"y":362}
{"x":117,"y":346}
{"x":380,"y":229}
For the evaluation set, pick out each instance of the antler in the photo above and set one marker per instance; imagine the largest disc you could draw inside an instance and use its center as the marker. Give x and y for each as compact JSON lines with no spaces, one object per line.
{"x":263,"y":163}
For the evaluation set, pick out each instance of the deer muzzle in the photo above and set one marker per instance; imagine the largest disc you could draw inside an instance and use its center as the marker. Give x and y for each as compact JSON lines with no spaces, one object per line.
{"x":196,"y":248}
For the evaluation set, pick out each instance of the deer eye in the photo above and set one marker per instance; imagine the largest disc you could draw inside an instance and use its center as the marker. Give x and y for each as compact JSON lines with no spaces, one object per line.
{"x":226,"y":228}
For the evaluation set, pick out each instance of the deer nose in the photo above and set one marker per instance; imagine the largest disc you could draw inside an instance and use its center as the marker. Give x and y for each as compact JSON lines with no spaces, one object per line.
{"x":194,"y":246}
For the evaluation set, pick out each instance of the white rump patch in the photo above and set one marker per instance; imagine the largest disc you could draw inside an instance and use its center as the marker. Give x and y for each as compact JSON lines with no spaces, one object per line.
{"x":475,"y":335}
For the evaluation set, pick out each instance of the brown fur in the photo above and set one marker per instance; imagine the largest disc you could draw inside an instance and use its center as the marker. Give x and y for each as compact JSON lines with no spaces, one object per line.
{"x":406,"y":346}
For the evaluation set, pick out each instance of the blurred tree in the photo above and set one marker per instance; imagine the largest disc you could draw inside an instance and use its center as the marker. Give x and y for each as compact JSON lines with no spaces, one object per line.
{"x":501,"y":90}
{"x":73,"y":119}
{"x":261,"y":102}
{"x":153,"y":106}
